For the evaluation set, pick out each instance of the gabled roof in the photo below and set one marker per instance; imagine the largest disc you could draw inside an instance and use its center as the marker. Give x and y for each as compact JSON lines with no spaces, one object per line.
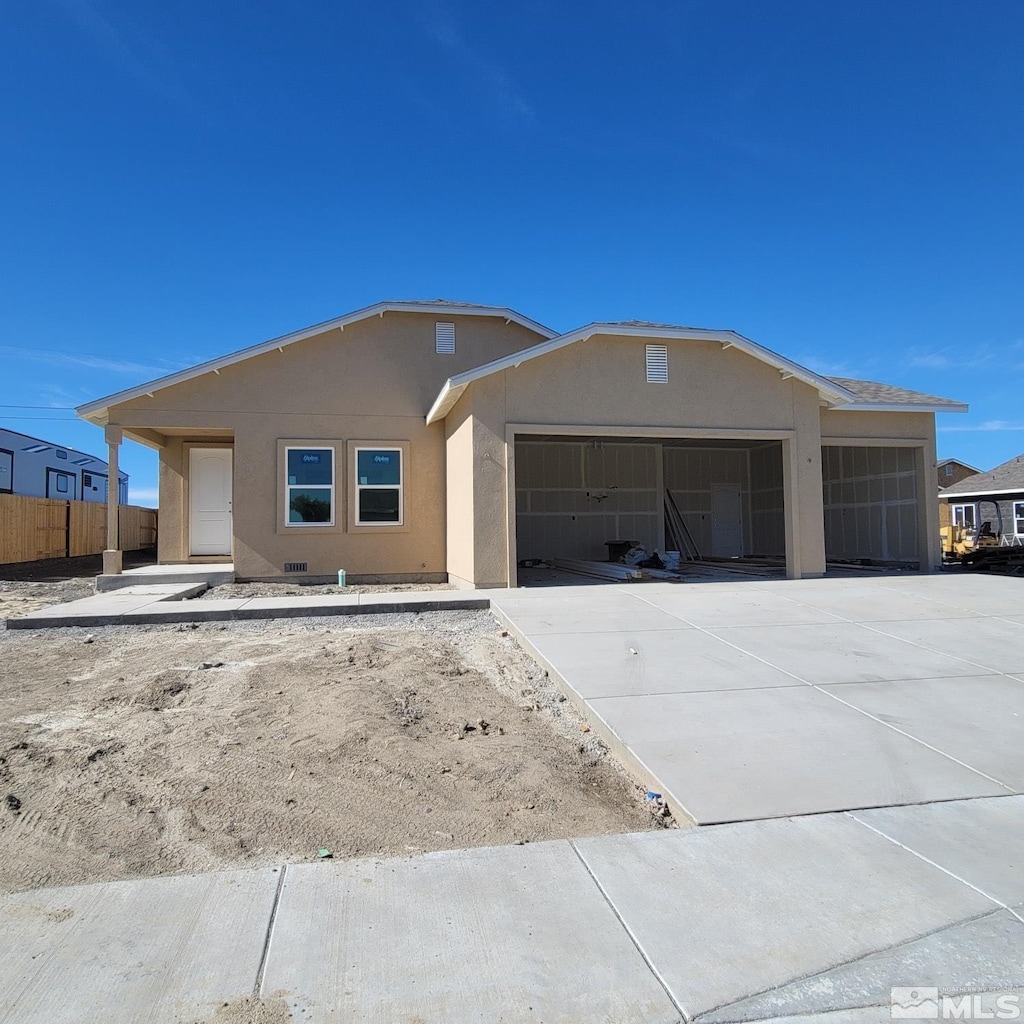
{"x":959,"y":462}
{"x":873,"y":395}
{"x":1007,"y":478}
{"x":94,"y":411}
{"x":845,"y":393}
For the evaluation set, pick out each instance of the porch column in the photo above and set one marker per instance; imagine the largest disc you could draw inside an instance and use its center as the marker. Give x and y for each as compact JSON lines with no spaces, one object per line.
{"x":112,"y":554}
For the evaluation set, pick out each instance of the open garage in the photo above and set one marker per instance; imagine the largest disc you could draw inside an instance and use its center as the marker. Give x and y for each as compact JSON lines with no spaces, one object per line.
{"x":575,"y":495}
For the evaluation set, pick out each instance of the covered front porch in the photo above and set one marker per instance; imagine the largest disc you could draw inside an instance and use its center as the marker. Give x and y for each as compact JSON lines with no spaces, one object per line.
{"x":196,"y":487}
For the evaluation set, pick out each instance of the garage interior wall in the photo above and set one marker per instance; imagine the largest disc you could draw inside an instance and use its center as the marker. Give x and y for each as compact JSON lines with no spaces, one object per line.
{"x":870,"y":501}
{"x":573,"y":495}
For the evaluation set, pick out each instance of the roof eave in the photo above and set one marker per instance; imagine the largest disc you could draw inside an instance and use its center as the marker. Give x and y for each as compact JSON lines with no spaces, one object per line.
{"x":902,"y":407}
{"x":983,"y":493}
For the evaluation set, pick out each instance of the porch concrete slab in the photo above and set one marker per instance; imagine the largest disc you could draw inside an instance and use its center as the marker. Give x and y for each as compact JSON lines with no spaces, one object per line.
{"x":734,"y":607}
{"x":723,"y":914}
{"x":512,"y":933}
{"x":880,"y":603}
{"x":735,"y":755}
{"x":848,"y":652}
{"x":994,"y":644}
{"x":978,"y":719}
{"x":211,"y":573}
{"x":984,"y":953}
{"x":600,"y":610}
{"x":616,"y":664}
{"x":163,"y":949}
{"x":981,"y":841}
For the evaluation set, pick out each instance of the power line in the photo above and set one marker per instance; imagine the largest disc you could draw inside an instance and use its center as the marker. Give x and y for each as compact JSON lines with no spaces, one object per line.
{"x":57,"y":419}
{"x":54,"y":408}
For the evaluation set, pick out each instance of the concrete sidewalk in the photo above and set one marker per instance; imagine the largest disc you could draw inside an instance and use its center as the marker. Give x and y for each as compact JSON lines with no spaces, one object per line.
{"x":757,"y":921}
{"x":153,"y":604}
{"x":764,"y":699}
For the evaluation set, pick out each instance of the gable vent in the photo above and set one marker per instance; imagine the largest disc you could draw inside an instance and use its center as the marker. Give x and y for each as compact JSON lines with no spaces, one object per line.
{"x":444,"y":339}
{"x":657,"y":364}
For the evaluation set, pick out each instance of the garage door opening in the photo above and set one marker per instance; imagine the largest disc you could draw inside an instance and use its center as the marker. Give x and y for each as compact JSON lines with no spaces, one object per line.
{"x":871,"y":505}
{"x":577,"y":495}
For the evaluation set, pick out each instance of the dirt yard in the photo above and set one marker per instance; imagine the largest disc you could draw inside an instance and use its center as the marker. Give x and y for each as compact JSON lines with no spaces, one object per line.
{"x":144,"y":751}
{"x":21,"y":597}
{"x":236,"y":590}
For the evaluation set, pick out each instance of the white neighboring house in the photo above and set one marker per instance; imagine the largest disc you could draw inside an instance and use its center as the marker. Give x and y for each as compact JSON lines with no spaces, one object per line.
{"x":41,"y":469}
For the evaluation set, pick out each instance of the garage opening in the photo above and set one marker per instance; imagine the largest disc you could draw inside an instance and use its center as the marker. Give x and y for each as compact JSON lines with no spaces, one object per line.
{"x":575,"y":496}
{"x":871,"y":505}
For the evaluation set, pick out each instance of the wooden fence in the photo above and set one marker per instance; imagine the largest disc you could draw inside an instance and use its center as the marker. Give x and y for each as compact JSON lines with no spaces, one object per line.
{"x":34,"y":528}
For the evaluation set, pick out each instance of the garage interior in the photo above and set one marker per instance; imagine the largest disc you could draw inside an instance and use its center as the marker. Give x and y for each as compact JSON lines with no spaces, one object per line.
{"x":576,"y":494}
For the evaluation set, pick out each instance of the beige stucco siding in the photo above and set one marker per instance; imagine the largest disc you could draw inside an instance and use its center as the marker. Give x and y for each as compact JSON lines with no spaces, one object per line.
{"x":601,"y":384}
{"x":373,"y":382}
{"x":603,"y":380}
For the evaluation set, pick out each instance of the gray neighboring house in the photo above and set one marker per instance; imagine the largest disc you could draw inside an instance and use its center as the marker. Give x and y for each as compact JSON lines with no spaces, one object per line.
{"x":996,"y":497}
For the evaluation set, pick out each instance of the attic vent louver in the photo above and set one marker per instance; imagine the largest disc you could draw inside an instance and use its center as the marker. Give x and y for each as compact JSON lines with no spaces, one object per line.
{"x":657,"y":364}
{"x":444,"y":339}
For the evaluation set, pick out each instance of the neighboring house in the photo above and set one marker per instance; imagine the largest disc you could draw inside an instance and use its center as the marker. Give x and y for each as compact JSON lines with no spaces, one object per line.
{"x":996,"y":497}
{"x":42,"y":469}
{"x":952,"y":471}
{"x":434,"y":440}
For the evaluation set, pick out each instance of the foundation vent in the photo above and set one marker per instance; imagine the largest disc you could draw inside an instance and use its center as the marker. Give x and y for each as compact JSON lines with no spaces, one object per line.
{"x":657,"y":364}
{"x":296,"y":566}
{"x":444,"y":339}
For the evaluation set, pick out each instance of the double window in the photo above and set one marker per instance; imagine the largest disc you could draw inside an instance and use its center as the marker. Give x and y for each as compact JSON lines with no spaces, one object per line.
{"x":1018,"y":518}
{"x":378,"y":487}
{"x":309,"y":486}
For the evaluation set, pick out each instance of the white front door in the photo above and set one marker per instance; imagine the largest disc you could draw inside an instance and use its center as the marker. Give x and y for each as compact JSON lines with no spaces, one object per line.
{"x":726,"y":521}
{"x":210,"y":501}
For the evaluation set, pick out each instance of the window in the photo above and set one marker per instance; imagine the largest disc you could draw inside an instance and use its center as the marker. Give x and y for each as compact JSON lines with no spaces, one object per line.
{"x":378,"y":487}
{"x":444,"y":339}
{"x":1018,"y":518}
{"x":62,"y":484}
{"x":309,"y":486}
{"x":949,"y":469}
{"x":963,"y":515}
{"x":6,"y":471}
{"x":657,"y":364}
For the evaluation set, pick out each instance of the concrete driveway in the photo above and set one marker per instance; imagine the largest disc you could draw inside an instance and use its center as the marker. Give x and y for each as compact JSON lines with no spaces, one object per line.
{"x":749,"y":700}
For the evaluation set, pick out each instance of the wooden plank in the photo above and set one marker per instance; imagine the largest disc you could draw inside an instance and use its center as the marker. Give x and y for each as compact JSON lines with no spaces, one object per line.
{"x":38,"y":528}
{"x":32,"y":528}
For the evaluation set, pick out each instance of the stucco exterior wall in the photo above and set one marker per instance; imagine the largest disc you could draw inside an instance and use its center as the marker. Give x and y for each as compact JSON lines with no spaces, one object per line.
{"x":373,"y":382}
{"x":601,"y":384}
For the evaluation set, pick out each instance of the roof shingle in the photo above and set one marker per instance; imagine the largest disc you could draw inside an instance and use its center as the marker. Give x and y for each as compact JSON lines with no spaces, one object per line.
{"x":1009,"y":476}
{"x":888,"y":394}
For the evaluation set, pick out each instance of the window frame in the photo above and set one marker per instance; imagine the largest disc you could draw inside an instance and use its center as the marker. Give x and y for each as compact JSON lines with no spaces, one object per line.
{"x":358,"y":487}
{"x":10,"y":488}
{"x":333,"y":487}
{"x":1018,"y":518}
{"x":973,"y":506}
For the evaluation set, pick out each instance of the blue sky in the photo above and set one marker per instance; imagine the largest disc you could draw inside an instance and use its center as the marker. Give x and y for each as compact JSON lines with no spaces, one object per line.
{"x":840,"y":182}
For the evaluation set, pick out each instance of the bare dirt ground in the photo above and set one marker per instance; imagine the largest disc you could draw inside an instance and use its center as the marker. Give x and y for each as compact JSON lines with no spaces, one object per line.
{"x":127,"y":751}
{"x":21,"y":597}
{"x":237,"y":590}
